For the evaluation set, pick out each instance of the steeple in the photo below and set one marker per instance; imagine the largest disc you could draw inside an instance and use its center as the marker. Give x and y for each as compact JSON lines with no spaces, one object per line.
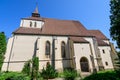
{"x":36,"y":13}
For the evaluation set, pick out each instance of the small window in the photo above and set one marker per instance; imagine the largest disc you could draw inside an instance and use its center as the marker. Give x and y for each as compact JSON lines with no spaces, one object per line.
{"x":30,"y":24}
{"x":35,"y":25}
{"x":103,"y":51}
{"x":106,"y":63}
{"x":47,"y":64}
{"x":63,"y":52}
{"x":47,"y":48}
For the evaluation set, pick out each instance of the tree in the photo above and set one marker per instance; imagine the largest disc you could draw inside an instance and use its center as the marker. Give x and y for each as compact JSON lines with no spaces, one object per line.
{"x":115,"y":21}
{"x":35,"y":68}
{"x":27,"y":68}
{"x":2,"y":47}
{"x":31,"y":68}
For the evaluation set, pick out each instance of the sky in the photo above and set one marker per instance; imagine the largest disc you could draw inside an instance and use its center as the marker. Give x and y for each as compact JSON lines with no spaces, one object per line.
{"x":93,"y":14}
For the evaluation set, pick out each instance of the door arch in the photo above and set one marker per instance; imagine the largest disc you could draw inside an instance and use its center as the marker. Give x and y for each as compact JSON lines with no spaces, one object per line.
{"x":84,"y":64}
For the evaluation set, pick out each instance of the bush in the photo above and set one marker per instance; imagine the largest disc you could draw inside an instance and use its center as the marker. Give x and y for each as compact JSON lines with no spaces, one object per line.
{"x":70,"y":74}
{"x":27,"y":68}
{"x":118,"y":73}
{"x":13,"y":76}
{"x":49,"y":72}
{"x":31,"y":68}
{"x":35,"y":68}
{"x":103,"y":76}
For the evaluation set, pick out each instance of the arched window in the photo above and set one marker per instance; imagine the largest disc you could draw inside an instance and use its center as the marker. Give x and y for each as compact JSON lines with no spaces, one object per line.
{"x":63,"y":52}
{"x":47,"y":48}
{"x":30,"y":24}
{"x":84,"y":64}
{"x":35,"y":25}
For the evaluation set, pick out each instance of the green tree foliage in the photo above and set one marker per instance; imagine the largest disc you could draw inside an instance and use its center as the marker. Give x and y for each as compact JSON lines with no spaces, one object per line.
{"x":35,"y":68}
{"x":104,"y":76}
{"x":13,"y":76}
{"x":31,"y":68}
{"x":2,"y":47}
{"x":27,"y":68}
{"x":49,"y":72}
{"x":118,"y":54}
{"x":115,"y":21}
{"x":118,"y":61}
{"x":70,"y":74}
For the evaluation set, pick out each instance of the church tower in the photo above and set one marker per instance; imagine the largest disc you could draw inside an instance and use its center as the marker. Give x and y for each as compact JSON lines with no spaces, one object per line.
{"x":35,"y":21}
{"x":36,"y":13}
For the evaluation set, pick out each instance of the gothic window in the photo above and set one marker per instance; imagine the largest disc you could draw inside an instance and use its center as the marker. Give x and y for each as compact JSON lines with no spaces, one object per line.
{"x":35,"y":25}
{"x":106,"y":63}
{"x":30,"y":24}
{"x":103,"y":51}
{"x":47,"y":48}
{"x":63,"y":52}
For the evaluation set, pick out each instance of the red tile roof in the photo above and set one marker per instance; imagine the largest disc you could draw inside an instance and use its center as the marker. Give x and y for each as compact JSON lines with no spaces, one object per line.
{"x":56,"y":27}
{"x":78,"y":39}
{"x":101,"y":42}
{"x":63,"y":27}
{"x":24,"y":30}
{"x":98,"y":34}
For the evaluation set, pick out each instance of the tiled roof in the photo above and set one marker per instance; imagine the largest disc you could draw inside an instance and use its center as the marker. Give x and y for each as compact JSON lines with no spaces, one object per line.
{"x":98,"y":34}
{"x":56,"y":27}
{"x":24,"y":30}
{"x":78,"y":39}
{"x":101,"y":42}
{"x":63,"y":27}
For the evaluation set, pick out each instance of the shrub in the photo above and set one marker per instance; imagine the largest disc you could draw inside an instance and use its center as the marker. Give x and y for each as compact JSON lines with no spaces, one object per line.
{"x":27,"y":68}
{"x":70,"y":74}
{"x":13,"y":76}
{"x":35,"y":68}
{"x":31,"y":68}
{"x":118,"y":73}
{"x":103,"y":76}
{"x":49,"y":72}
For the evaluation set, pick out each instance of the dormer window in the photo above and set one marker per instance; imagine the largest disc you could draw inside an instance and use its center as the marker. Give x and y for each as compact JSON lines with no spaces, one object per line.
{"x":30,"y":24}
{"x":35,"y":25}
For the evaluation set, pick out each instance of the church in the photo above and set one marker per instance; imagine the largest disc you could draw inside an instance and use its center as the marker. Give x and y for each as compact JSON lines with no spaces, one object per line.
{"x":62,"y":43}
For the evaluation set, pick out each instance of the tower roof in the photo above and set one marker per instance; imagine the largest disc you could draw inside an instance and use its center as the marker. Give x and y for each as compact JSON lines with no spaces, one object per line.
{"x":36,"y":10}
{"x":36,"y":13}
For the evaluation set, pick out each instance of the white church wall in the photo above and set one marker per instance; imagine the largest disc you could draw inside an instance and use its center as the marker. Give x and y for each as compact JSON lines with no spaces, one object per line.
{"x":58,"y":58}
{"x":92,"y":45}
{"x":26,"y":23}
{"x":24,"y":48}
{"x":7,"y":55}
{"x":59,"y":62}
{"x":82,"y":50}
{"x":106,"y":57}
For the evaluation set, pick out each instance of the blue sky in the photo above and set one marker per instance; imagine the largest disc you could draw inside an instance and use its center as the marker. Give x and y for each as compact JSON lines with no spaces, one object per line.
{"x":93,"y":14}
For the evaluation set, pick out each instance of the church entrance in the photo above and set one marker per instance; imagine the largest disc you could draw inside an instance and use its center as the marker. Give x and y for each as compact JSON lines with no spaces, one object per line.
{"x":84,"y":64}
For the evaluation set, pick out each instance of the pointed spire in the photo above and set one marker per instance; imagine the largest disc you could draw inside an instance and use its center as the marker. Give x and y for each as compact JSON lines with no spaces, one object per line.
{"x":36,"y":9}
{"x":36,"y":13}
